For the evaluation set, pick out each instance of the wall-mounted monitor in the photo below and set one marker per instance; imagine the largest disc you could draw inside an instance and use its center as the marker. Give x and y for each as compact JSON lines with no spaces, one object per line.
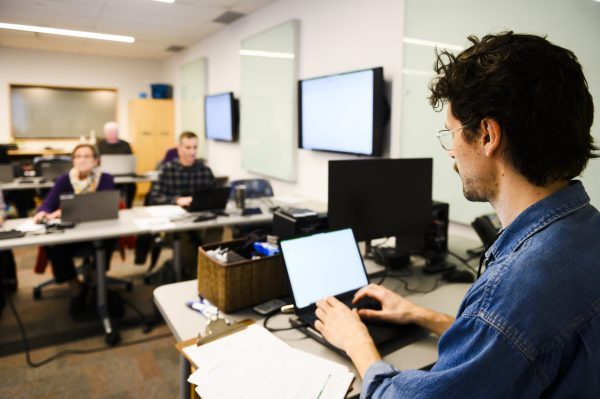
{"x":343,"y":112}
{"x":221,"y":117}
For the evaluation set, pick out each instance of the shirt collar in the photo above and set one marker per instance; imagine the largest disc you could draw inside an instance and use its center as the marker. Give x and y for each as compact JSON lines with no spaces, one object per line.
{"x":537,"y":217}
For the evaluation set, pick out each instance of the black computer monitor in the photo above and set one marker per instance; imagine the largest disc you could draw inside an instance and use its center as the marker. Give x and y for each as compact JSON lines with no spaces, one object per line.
{"x":383,"y":198}
{"x":221,"y":117}
{"x":344,"y":112}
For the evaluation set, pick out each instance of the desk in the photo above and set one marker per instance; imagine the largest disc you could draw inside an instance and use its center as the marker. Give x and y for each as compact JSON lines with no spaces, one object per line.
{"x":185,"y":323}
{"x":187,"y":224}
{"x":87,"y":231}
{"x":123,"y":226}
{"x":36,"y":185}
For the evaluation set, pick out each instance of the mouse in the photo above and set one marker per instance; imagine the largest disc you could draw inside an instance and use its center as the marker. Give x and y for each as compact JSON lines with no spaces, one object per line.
{"x":458,"y":276}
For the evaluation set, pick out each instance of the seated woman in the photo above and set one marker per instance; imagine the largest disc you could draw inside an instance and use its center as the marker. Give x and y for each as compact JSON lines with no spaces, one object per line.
{"x":83,"y":178}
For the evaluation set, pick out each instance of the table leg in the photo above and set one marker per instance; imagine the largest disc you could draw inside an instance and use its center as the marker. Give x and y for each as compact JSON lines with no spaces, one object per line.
{"x":112,"y":336}
{"x":184,"y":386}
{"x":177,"y":266}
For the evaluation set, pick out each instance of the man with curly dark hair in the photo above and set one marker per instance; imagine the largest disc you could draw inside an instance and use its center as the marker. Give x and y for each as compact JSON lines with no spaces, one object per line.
{"x":519,"y":115}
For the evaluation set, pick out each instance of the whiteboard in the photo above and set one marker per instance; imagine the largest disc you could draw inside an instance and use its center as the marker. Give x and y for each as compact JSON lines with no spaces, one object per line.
{"x":268,"y":102}
{"x":573,"y":24}
{"x":193,"y":88}
{"x":39,"y":112}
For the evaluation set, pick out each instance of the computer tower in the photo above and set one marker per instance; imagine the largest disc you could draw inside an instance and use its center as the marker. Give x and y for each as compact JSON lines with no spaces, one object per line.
{"x":436,"y":237}
{"x":286,"y":225}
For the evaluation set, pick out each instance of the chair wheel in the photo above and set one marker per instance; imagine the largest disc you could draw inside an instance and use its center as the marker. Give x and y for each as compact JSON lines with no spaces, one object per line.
{"x":112,"y":338}
{"x":129,"y":286}
{"x":37,"y":293}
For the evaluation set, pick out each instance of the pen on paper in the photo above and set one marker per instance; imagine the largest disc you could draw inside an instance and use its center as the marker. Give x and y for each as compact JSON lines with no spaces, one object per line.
{"x":323,"y":387}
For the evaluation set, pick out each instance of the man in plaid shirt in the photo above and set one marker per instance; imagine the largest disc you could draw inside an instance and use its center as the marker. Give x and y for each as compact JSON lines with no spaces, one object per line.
{"x":180,"y":178}
{"x":177,"y":181}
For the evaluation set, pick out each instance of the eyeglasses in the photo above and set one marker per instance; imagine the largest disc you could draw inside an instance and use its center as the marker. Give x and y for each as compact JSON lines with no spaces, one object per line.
{"x":446,"y":137}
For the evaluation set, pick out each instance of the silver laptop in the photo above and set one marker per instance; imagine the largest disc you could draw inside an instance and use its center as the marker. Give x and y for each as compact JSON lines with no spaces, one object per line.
{"x":329,"y":264}
{"x":101,"y":205}
{"x":118,"y":165}
{"x":6,"y":173}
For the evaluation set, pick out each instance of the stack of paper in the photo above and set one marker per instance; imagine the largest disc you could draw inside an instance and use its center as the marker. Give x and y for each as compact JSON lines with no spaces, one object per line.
{"x":253,"y":363}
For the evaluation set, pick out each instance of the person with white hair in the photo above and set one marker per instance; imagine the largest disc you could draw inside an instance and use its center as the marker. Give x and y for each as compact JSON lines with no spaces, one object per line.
{"x":111,"y":144}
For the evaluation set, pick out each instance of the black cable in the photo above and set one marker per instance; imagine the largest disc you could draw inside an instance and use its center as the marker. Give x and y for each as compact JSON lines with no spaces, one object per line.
{"x":383,"y":275}
{"x":271,"y":329}
{"x":407,"y":289}
{"x":65,"y":352}
{"x":464,"y":261}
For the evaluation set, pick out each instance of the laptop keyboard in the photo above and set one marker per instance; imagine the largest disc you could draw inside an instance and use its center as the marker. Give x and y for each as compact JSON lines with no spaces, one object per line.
{"x":365,"y":303}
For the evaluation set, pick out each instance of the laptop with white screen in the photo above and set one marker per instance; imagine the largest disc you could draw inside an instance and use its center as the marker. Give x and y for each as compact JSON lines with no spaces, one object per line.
{"x":330,"y":264}
{"x":118,"y":164}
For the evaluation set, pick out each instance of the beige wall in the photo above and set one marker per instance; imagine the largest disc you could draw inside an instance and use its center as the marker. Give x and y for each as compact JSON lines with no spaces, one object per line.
{"x":129,"y":77}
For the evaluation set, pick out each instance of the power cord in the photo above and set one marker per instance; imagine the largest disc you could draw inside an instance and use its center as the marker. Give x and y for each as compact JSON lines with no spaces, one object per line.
{"x":66,"y":352}
{"x":271,"y":329}
{"x":414,"y":291}
{"x":464,"y":261}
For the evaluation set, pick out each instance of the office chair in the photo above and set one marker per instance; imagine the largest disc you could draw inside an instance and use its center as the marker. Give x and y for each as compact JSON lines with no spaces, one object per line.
{"x":255,"y":188}
{"x":85,"y":270}
{"x":57,"y":162}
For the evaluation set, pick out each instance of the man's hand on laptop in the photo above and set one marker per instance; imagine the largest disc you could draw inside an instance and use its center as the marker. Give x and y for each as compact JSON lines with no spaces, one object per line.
{"x":396,"y":309}
{"x":183,"y":201}
{"x":343,"y":328}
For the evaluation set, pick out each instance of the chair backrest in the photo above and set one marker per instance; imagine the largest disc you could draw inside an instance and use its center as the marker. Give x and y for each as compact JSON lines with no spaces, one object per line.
{"x":51,"y":165}
{"x":254,"y":188}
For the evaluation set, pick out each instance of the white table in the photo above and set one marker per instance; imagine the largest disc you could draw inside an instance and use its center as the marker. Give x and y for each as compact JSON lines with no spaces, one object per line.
{"x":87,"y":231}
{"x":185,"y":323}
{"x":123,"y":226}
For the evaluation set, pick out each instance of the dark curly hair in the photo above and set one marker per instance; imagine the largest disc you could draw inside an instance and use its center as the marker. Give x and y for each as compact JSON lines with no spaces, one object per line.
{"x":534,"y":89}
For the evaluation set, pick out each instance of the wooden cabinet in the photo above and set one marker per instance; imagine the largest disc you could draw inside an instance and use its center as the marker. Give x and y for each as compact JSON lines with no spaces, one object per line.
{"x":152,"y":131}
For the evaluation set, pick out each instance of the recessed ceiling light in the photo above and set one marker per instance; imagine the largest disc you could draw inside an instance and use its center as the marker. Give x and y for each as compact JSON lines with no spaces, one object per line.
{"x":68,"y":32}
{"x":166,"y":1}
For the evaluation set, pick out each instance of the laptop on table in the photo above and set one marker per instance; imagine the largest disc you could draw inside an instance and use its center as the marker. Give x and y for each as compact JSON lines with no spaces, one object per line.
{"x":330,"y":264}
{"x":101,"y":205}
{"x":210,"y":200}
{"x":118,"y":164}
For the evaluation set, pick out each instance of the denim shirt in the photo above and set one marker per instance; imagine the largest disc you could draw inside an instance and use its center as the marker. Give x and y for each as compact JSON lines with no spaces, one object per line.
{"x":530,"y":326}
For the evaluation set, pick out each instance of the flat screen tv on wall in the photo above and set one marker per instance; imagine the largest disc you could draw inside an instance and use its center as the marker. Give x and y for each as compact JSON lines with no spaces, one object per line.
{"x":221,"y":117}
{"x":343,"y":112}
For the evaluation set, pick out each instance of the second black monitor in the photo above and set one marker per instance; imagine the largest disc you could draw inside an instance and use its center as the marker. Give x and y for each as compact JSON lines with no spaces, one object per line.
{"x":381,"y":198}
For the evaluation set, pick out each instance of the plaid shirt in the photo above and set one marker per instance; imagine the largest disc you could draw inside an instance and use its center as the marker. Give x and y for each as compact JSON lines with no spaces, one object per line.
{"x":176,"y":180}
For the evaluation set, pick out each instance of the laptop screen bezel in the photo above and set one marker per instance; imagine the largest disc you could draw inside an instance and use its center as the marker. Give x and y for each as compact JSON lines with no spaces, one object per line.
{"x":343,"y":295}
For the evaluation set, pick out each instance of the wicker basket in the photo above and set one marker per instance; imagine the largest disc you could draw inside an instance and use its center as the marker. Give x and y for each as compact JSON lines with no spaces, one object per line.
{"x":234,"y":286}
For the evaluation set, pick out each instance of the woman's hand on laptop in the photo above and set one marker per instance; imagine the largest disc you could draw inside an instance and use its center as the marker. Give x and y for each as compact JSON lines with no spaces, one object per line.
{"x":343,"y":328}
{"x":396,"y":309}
